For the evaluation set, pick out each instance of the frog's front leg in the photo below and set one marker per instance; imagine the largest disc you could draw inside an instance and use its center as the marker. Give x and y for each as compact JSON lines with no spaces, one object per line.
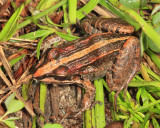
{"x":125,"y":67}
{"x":88,"y":96}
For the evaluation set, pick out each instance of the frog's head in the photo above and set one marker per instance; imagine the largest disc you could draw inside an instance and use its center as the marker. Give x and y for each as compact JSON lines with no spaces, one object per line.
{"x":50,"y":65}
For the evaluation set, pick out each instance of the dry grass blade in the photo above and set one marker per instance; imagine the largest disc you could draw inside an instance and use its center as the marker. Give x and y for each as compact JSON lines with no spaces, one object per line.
{"x":151,"y":64}
{"x":6,"y":65}
{"x":19,"y":83}
{"x":29,"y":45}
{"x":24,"y":78}
{"x":13,"y":89}
{"x":19,"y":39}
{"x":2,"y":92}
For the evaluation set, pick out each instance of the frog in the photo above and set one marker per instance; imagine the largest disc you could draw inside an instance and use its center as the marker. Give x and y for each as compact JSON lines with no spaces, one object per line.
{"x":107,"y":50}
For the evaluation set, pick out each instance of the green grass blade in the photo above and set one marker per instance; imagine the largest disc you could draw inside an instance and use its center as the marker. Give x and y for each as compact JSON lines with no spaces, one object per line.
{"x":88,"y":119}
{"x":34,"y":35}
{"x":99,"y":109}
{"x":147,"y":106}
{"x":43,"y":92}
{"x":146,"y":27}
{"x":138,"y":117}
{"x":144,"y":83}
{"x":138,"y":95}
{"x":66,"y":36}
{"x":87,"y":8}
{"x":128,"y":122}
{"x":155,"y":123}
{"x":39,"y":45}
{"x":72,"y":11}
{"x":28,"y":21}
{"x":150,"y":72}
{"x":10,"y":27}
{"x":121,"y":14}
{"x":145,"y":120}
{"x":154,"y":57}
{"x":65,"y":17}
{"x":43,"y":4}
{"x":14,"y":61}
{"x":105,"y":85}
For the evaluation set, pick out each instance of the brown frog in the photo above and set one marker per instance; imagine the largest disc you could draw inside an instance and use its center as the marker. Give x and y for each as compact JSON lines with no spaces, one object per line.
{"x":108,"y":51}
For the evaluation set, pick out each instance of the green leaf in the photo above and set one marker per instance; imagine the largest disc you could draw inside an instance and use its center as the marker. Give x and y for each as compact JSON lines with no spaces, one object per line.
{"x":154,"y":57}
{"x":11,"y":26}
{"x":25,"y":88}
{"x":144,"y":25}
{"x":39,"y":15}
{"x":120,"y":13}
{"x":61,"y":25}
{"x":123,"y":116}
{"x":133,"y":4}
{"x":145,"y":120}
{"x":147,"y":106}
{"x":144,"y":96}
{"x":136,"y":119}
{"x":128,"y":123}
{"x":143,"y":2}
{"x":87,"y":8}
{"x":155,"y":123}
{"x":9,"y":100}
{"x":141,"y":114}
{"x":138,"y":95}
{"x":155,"y":9}
{"x":39,"y":44}
{"x":139,"y":117}
{"x":123,"y":108}
{"x":15,"y":106}
{"x":151,"y":73}
{"x":12,"y":118}
{"x":147,"y":124}
{"x":52,"y":126}
{"x":66,"y":36}
{"x":143,"y":44}
{"x":14,"y":61}
{"x":151,"y":43}
{"x":44,"y":4}
{"x":88,"y":119}
{"x":72,"y":11}
{"x":156,"y":18}
{"x":99,"y":109}
{"x":35,"y":34}
{"x":155,"y":110}
{"x":43,"y":91}
{"x":9,"y":123}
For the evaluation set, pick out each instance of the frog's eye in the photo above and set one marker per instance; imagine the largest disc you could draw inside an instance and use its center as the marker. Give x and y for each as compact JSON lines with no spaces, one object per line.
{"x":53,"y":54}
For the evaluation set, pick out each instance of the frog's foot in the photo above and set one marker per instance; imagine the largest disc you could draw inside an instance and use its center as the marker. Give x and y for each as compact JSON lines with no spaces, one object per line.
{"x":88,"y":96}
{"x":125,"y":67}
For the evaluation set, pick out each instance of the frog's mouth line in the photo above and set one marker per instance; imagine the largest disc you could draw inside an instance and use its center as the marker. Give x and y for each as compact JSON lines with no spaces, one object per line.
{"x":51,"y":80}
{"x":53,"y":77}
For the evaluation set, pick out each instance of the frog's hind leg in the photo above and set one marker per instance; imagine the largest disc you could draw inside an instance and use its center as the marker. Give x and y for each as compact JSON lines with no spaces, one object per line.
{"x":125,"y":67}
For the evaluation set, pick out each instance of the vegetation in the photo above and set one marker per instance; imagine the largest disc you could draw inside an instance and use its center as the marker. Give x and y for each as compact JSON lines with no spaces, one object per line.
{"x":141,"y":109}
